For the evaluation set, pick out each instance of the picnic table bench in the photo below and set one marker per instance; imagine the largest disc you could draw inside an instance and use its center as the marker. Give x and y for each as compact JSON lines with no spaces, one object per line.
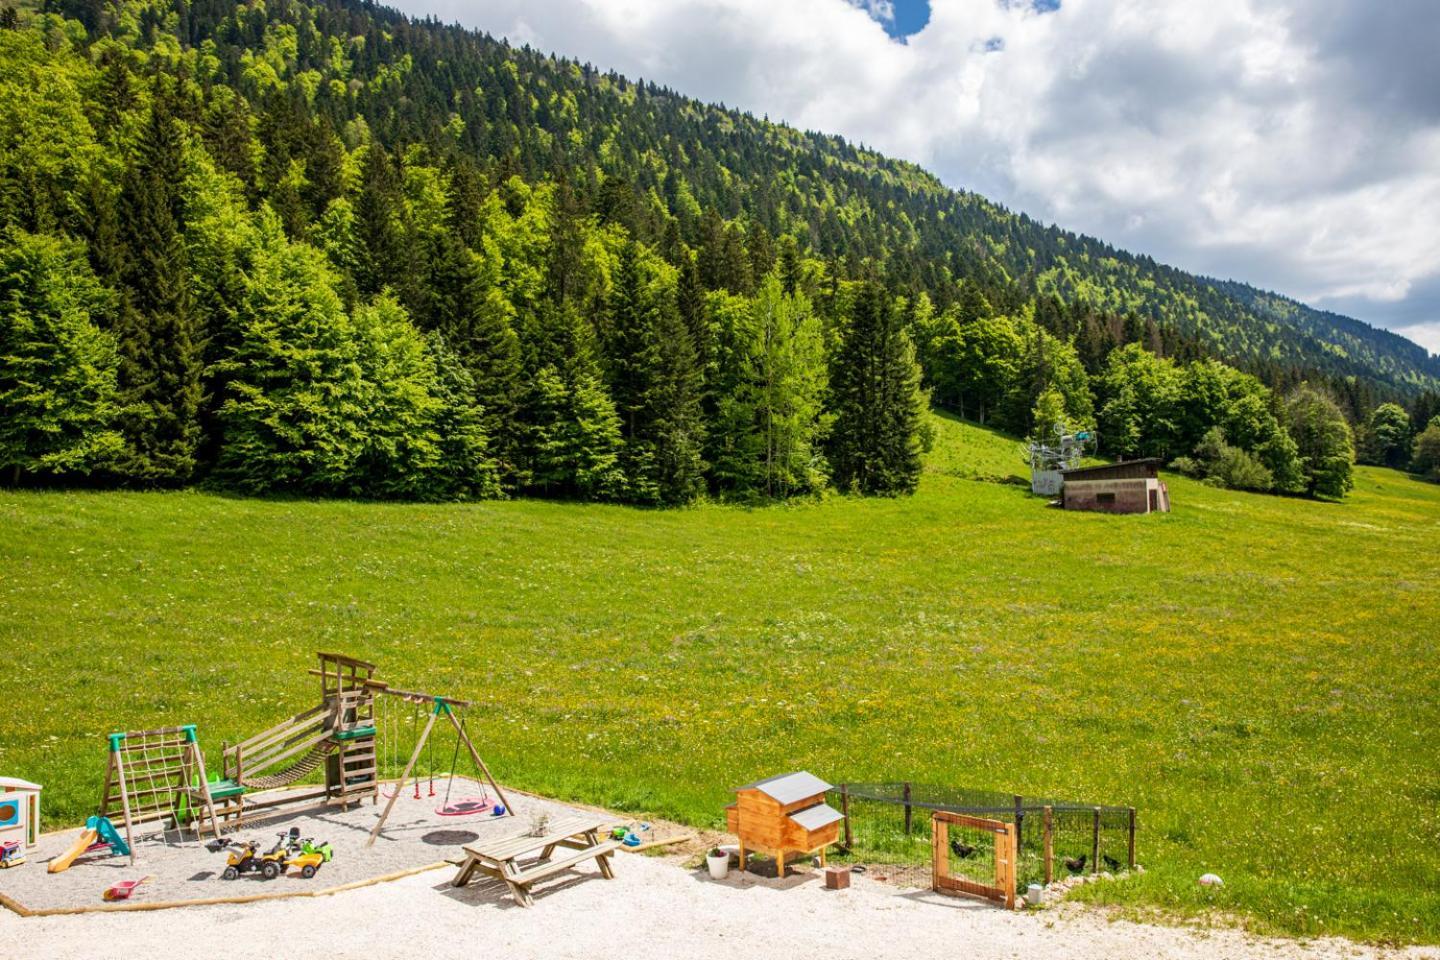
{"x":500,"y":858}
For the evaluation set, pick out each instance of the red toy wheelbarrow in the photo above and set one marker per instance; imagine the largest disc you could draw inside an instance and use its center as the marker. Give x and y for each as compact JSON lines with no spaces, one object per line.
{"x":123,"y":889}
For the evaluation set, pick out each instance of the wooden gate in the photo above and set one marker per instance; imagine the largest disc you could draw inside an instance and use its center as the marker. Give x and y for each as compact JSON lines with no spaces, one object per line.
{"x":1003,"y":890}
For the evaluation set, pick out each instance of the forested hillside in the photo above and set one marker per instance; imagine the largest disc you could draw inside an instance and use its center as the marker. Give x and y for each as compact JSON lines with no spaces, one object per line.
{"x":521,"y":111}
{"x":319,"y":247}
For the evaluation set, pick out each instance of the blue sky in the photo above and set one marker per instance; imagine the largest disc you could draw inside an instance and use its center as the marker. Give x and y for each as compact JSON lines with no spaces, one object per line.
{"x":899,"y":18}
{"x":1291,"y":144}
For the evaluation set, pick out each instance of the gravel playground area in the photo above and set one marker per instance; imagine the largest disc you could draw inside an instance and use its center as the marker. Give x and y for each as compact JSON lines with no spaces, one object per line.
{"x":414,"y":836}
{"x":655,"y":908}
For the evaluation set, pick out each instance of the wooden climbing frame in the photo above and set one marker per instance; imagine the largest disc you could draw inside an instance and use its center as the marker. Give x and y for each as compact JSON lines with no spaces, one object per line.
{"x":152,"y":776}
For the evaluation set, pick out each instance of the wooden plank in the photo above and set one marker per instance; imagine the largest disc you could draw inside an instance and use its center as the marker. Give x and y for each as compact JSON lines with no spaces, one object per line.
{"x":562,"y":829}
{"x":667,"y":842}
{"x":256,"y":761}
{"x":257,"y":768}
{"x":529,"y":875}
{"x":279,"y":729}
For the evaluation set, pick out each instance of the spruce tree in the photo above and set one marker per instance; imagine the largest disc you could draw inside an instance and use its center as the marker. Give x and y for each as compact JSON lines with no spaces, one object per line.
{"x":293,"y":416}
{"x":656,"y":385}
{"x":573,"y":439}
{"x":877,"y":401}
{"x":158,"y":332}
{"x":57,"y":367}
{"x":464,"y":307}
{"x":382,"y":256}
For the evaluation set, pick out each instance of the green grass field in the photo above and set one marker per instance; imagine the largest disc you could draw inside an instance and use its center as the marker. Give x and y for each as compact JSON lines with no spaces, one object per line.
{"x":1256,"y":674}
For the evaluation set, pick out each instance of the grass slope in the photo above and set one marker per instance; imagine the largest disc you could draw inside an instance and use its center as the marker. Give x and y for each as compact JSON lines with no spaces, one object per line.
{"x":1254,"y":673}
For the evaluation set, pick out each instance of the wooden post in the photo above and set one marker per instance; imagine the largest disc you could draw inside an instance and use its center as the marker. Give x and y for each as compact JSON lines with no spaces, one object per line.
{"x":1095,"y":843}
{"x":1019,"y":819}
{"x":1131,"y":858}
{"x":939,"y":855}
{"x":1049,"y":846}
{"x":907,"y":808}
{"x":1005,"y":853}
{"x":414,"y":757}
{"x":475,"y":755}
{"x":205,"y":794}
{"x":845,"y":810}
{"x":124,"y":796}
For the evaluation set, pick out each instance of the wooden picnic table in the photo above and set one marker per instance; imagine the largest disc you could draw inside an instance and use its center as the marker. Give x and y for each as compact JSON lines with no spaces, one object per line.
{"x":500,"y":858}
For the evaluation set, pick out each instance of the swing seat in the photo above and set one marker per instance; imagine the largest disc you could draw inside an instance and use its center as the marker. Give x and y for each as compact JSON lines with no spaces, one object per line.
{"x":465,"y":806}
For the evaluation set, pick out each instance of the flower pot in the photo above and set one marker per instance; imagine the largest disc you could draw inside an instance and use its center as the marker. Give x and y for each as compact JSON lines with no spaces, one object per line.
{"x":719,"y":866}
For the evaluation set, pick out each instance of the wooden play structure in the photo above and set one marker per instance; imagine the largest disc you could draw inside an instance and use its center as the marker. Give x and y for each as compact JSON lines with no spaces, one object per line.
{"x":340,"y":734}
{"x":783,"y":814}
{"x":156,"y":777}
{"x":453,"y":711}
{"x":1003,"y":849}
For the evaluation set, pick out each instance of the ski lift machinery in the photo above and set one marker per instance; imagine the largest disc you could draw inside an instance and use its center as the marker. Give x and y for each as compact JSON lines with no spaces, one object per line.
{"x":1049,"y":457}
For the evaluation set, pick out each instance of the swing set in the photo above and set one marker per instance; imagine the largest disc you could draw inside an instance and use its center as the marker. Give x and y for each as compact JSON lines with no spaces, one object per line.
{"x":391,"y":719}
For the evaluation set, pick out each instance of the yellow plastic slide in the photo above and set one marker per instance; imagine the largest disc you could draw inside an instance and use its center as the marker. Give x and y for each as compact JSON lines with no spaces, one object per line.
{"x":62,"y":862}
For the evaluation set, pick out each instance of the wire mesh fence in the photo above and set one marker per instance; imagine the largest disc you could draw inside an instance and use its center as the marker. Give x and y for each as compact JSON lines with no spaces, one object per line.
{"x":887,"y":829}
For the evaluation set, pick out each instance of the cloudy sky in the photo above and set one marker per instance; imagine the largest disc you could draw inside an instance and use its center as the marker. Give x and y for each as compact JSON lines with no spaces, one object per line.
{"x":1293,"y":144}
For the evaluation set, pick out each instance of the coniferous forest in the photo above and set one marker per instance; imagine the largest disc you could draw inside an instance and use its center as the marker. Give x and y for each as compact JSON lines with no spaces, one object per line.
{"x":318,"y":248}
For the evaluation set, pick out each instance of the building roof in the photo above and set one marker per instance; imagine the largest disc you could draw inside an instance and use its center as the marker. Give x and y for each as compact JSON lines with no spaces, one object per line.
{"x":820,"y":815}
{"x":15,"y":783}
{"x":788,"y":787}
{"x":1145,"y":467}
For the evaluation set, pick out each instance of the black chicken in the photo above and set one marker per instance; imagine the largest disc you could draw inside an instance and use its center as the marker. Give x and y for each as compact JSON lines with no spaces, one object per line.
{"x":1110,"y":862}
{"x":1075,"y":864}
{"x":962,"y":850}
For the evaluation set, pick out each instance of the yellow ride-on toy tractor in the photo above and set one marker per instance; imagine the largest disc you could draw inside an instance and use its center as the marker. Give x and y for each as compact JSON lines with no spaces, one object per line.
{"x":311,"y":857}
{"x":274,"y":861}
{"x":239,"y":856}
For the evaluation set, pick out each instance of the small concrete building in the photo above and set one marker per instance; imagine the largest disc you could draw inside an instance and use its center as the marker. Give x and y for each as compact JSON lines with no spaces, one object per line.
{"x":1131,"y":486}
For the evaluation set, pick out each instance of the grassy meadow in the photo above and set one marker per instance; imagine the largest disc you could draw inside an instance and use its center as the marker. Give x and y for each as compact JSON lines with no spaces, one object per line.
{"x":1256,"y":674}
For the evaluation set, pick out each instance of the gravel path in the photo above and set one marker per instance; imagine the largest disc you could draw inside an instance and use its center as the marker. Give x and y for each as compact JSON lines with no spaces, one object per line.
{"x":655,"y":908}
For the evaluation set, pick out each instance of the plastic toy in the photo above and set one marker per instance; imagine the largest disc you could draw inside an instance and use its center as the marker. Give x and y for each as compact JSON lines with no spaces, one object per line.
{"x":240,"y":859}
{"x":11,"y":854}
{"x":311,"y":857}
{"x":123,"y":889}
{"x":19,"y":812}
{"x":99,"y":832}
{"x":274,"y":860}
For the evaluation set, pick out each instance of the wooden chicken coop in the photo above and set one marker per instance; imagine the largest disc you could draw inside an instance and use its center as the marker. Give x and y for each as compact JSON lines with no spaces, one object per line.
{"x":783,"y":814}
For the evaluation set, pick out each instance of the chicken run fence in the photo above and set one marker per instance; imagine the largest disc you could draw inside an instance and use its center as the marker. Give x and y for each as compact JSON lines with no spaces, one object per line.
{"x":887,"y":827}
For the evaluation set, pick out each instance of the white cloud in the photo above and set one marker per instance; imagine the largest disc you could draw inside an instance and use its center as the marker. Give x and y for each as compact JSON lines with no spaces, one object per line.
{"x":882,"y":10}
{"x":1425,"y":334}
{"x":1294,"y":144}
